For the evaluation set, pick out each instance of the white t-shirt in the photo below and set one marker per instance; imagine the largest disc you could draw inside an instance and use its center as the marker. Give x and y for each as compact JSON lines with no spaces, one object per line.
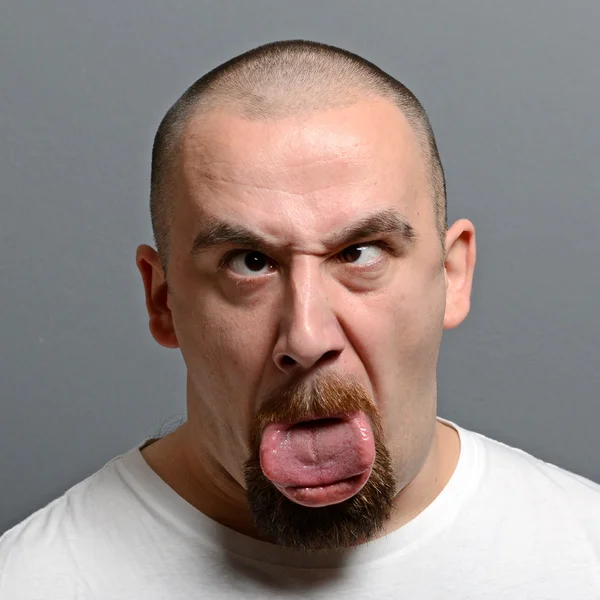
{"x":506,"y":526}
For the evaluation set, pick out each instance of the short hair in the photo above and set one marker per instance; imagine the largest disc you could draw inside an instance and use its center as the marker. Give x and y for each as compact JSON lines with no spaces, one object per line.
{"x":277,"y":80}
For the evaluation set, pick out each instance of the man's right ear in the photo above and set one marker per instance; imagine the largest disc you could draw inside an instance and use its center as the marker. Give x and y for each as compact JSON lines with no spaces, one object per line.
{"x":157,"y":296}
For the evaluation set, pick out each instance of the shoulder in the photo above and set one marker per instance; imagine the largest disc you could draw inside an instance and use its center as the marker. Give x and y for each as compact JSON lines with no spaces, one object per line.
{"x":527,"y":480}
{"x":44,"y":555}
{"x":503,"y":457}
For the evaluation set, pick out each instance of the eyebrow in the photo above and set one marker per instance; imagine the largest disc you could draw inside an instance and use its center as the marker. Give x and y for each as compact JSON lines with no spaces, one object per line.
{"x":217,"y":232}
{"x":386,"y":221}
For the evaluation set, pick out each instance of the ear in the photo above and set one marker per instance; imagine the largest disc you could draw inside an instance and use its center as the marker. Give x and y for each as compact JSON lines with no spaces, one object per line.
{"x":157,"y":296}
{"x":458,"y":268}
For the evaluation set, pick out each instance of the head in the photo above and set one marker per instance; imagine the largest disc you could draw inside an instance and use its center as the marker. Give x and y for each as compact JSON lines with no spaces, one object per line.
{"x":304,"y":267}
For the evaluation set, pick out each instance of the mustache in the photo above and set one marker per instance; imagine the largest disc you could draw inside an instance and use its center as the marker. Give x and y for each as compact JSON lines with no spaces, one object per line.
{"x":299,"y":400}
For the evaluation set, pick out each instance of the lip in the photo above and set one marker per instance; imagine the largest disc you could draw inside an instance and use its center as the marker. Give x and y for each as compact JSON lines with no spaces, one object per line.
{"x":340,"y":416}
{"x":327,"y":494}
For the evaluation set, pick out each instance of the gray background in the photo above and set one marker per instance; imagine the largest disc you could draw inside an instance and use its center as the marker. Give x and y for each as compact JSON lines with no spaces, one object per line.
{"x":513,"y":90}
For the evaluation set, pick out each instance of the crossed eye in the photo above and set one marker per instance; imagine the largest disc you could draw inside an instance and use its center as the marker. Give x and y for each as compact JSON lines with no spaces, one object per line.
{"x":251,"y":262}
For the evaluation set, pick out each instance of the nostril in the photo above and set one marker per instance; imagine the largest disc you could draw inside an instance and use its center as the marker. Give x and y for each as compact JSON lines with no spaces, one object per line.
{"x":329,"y":355}
{"x":287,"y":361}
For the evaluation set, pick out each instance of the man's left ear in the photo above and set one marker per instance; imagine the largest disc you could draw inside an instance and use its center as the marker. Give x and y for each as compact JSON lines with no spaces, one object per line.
{"x":459,"y":266}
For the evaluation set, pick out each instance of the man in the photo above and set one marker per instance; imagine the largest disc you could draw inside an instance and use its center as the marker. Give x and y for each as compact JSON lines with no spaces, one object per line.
{"x":306,"y":272}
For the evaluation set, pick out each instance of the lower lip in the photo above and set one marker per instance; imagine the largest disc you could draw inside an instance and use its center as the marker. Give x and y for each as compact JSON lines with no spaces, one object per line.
{"x":326,"y":495}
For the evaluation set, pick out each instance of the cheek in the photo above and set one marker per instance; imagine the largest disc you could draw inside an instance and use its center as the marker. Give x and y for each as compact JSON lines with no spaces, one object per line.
{"x":405,"y":323}
{"x":396,"y":336}
{"x":226,"y":353}
{"x":419,"y":325}
{"x":405,"y":329}
{"x":226,"y":348}
{"x":219,"y":339}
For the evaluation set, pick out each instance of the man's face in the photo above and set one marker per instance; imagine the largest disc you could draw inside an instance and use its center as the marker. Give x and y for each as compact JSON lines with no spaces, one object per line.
{"x":291,"y":257}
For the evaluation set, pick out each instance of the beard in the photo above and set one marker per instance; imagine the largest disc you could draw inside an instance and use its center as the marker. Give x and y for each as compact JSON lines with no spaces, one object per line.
{"x":353,"y":521}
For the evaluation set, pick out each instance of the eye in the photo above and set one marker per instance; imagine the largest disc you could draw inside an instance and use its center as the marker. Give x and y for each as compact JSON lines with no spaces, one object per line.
{"x":249,"y":263}
{"x":361,"y":254}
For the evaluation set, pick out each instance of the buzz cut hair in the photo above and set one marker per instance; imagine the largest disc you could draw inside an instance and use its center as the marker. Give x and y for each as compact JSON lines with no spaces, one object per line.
{"x":275,"y":81}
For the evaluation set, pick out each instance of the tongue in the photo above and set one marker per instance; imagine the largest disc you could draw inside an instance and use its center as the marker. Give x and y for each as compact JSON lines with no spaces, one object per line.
{"x":320,"y":462}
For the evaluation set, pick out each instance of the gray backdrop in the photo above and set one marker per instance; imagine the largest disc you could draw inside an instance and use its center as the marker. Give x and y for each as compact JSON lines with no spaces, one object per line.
{"x":513,"y":90}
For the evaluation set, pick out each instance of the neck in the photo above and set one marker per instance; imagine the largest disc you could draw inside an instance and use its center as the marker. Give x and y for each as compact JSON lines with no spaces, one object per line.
{"x":200,"y":480}
{"x":430,"y":480}
{"x":203,"y":482}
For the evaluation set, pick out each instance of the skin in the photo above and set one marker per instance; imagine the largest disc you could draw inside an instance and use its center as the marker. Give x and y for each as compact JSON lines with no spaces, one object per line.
{"x":376,"y":314}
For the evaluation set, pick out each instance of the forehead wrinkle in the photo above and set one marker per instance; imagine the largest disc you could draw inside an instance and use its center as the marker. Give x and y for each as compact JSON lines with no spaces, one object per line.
{"x":209,"y":144}
{"x":205,"y":181}
{"x":298,"y":178}
{"x":305,"y":191}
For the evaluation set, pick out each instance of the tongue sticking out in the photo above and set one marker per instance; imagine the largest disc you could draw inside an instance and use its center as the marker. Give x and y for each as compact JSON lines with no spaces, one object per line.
{"x":320,"y":462}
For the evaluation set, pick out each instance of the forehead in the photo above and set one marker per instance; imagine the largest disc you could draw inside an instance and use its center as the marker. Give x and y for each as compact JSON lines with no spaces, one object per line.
{"x":315,"y":170}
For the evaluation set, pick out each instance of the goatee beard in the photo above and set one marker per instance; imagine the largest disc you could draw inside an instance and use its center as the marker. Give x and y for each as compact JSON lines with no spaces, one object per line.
{"x":353,"y":521}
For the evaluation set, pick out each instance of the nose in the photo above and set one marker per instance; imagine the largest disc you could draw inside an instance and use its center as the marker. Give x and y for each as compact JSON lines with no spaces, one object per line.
{"x":309,"y":333}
